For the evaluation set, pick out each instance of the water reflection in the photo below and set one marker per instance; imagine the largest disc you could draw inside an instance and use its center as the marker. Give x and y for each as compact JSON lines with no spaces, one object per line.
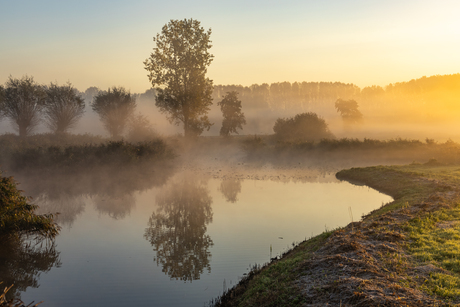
{"x":230,"y":188}
{"x":112,"y":190}
{"x":115,"y":206}
{"x":22,"y":262}
{"x":177,"y":230}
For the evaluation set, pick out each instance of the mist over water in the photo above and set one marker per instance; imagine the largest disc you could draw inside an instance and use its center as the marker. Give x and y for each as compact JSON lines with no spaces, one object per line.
{"x":182,"y":239}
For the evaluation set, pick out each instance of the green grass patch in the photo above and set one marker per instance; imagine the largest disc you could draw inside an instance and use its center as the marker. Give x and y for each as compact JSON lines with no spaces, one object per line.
{"x":273,"y":284}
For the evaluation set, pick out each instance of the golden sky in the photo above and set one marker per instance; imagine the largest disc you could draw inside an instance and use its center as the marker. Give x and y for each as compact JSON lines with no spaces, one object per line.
{"x":104,"y":43}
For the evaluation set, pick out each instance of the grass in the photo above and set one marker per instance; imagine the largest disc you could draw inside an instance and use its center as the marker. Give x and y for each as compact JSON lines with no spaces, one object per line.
{"x":49,"y":151}
{"x":274,"y":283}
{"x":434,"y":236}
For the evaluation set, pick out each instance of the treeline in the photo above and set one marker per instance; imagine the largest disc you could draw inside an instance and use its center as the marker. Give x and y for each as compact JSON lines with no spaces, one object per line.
{"x":425,"y":99}
{"x":27,"y":104}
{"x":428,"y":97}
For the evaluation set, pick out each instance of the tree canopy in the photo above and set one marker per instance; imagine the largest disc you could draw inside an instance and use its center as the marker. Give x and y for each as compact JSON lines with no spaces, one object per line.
{"x":114,"y":107}
{"x":348,"y":109}
{"x":178,"y":66}
{"x":63,"y":107}
{"x":233,"y":117}
{"x":23,"y":100}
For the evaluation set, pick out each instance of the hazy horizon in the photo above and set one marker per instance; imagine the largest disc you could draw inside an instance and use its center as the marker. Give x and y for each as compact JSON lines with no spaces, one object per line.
{"x":104,"y":44}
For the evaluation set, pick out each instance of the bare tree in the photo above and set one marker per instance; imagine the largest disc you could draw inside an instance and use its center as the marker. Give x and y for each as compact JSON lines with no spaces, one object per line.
{"x":114,"y":107}
{"x":23,"y":100}
{"x":63,"y":107}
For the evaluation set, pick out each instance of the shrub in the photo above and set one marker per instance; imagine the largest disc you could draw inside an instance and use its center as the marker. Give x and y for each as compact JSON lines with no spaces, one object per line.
{"x":303,"y":127}
{"x":17,"y":214}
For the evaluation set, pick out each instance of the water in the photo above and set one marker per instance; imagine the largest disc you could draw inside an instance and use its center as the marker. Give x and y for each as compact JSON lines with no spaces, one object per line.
{"x":182,"y":241}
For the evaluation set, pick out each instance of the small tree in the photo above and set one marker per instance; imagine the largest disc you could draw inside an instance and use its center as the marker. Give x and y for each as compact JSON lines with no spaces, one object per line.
{"x":63,"y":107}
{"x":114,"y":107}
{"x":348,"y":109}
{"x":303,"y":127}
{"x":178,"y":65}
{"x":23,"y":101}
{"x":231,"y":111}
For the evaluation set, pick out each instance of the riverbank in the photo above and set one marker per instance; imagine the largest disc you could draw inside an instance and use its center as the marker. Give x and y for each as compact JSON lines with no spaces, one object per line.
{"x":403,"y":254}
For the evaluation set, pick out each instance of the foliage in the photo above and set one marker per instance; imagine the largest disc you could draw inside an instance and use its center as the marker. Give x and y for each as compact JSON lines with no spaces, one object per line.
{"x":63,"y":107}
{"x":114,"y":107}
{"x":23,"y":101}
{"x":231,"y":111}
{"x":348,"y":109}
{"x":303,"y":127}
{"x":17,"y":214}
{"x":178,"y":65}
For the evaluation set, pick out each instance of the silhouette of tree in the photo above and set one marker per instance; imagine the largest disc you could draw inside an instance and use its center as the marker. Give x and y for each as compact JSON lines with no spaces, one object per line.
{"x":114,"y":107}
{"x":90,"y":93}
{"x":177,"y":231}
{"x":303,"y":127}
{"x":230,"y":188}
{"x":23,"y":101}
{"x":178,"y":65}
{"x":63,"y":107}
{"x":233,"y":117}
{"x":348,"y":109}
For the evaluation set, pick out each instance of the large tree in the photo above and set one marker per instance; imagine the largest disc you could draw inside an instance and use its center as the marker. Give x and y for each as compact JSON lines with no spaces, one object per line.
{"x":23,"y":100}
{"x":114,"y":107}
{"x":63,"y":107}
{"x":231,"y":111}
{"x":178,"y":66}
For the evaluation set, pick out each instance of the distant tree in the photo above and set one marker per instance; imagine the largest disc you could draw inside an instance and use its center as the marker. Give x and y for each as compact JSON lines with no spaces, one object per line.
{"x":90,"y":93}
{"x":140,"y":128}
{"x":303,"y":127}
{"x":23,"y":100}
{"x":231,"y":111}
{"x":63,"y":107}
{"x":178,"y":65}
{"x":348,"y":109}
{"x":114,"y":107}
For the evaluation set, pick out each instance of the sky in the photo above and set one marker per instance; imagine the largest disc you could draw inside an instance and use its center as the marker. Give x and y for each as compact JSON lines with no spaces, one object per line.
{"x":104,"y":43}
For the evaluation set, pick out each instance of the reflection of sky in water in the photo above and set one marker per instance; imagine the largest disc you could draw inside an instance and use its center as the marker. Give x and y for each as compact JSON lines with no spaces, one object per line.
{"x":108,"y":261}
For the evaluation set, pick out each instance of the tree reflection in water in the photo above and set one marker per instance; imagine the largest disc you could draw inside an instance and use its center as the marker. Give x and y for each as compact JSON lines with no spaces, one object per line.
{"x":177,"y":230}
{"x":115,"y":206}
{"x":230,"y":188}
{"x":22,"y":261}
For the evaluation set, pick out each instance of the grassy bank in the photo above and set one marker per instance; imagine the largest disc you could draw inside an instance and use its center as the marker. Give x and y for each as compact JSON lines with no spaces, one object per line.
{"x":69,"y":152}
{"x":406,"y":253}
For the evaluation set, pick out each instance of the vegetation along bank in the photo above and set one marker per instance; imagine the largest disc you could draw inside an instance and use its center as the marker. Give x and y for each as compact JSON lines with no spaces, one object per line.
{"x":404,"y":254}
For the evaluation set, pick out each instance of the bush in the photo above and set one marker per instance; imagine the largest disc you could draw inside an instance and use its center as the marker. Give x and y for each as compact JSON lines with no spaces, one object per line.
{"x":301,"y":128}
{"x":17,"y":215}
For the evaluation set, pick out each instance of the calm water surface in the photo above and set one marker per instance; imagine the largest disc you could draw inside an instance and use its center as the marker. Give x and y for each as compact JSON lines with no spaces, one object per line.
{"x":184,"y":241}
